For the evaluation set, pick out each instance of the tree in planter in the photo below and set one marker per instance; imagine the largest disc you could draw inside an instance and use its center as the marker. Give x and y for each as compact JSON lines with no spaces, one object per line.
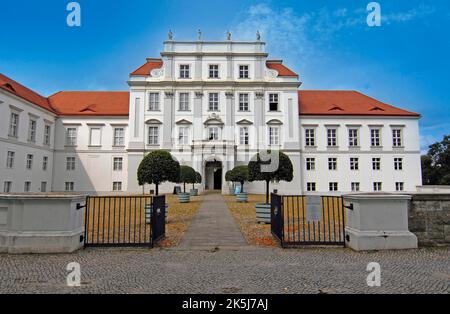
{"x":238,"y":174}
{"x":198,"y":179}
{"x":260,"y":169}
{"x":187,"y":175}
{"x":158,"y":167}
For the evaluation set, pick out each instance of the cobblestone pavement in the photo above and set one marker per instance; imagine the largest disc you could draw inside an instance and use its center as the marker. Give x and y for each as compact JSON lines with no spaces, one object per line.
{"x":235,"y":270}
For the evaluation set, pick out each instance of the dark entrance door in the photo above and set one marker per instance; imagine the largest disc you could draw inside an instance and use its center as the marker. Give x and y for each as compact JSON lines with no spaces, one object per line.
{"x":218,"y":179}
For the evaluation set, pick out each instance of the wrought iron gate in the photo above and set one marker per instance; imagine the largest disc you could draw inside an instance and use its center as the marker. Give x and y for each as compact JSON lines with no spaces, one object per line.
{"x":127,"y":221}
{"x":299,"y":220}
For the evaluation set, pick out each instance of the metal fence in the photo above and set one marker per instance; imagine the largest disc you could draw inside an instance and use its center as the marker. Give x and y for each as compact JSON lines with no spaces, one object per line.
{"x":299,"y":220}
{"x":124,"y":220}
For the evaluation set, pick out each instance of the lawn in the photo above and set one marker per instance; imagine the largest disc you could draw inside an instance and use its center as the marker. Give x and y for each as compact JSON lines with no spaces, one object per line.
{"x":118,"y":220}
{"x":245,"y":216}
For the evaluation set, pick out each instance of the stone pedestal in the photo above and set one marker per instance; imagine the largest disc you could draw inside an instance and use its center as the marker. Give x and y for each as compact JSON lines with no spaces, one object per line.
{"x":41,"y":223}
{"x":378,"y":222}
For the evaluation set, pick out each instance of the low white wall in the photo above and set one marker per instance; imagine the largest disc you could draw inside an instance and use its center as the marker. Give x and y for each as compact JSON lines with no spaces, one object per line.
{"x":434,"y":189}
{"x":41,"y":223}
{"x":378,"y":222}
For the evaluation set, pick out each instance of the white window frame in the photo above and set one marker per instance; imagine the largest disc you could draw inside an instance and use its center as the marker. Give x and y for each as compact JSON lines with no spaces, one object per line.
{"x":153,"y":101}
{"x":311,"y":187}
{"x":398,"y":164}
{"x":10,"y":157}
{"x":213,"y":133}
{"x":117,"y":186}
{"x":47,"y":134}
{"x":354,"y":163}
{"x":119,"y":139}
{"x":310,"y":164}
{"x":353,"y":137}
{"x":153,"y":135}
{"x":14,"y":124}
{"x":397,"y":137}
{"x":377,"y":186}
{"x":183,"y":135}
{"x":376,"y":164}
{"x":333,"y":186}
{"x":183,"y":101}
{"x":399,"y":186}
{"x":355,"y":186}
{"x":244,"y":135}
{"x":32,"y":128}
{"x":71,"y":136}
{"x":244,"y":105}
{"x":29,"y":162}
{"x":213,"y":71}
{"x":7,"y":187}
{"x":69,"y":186}
{"x":375,"y":137}
{"x":332,"y":163}
{"x":274,"y":98}
{"x":274,"y":136}
{"x":185,"y":71}
{"x":44,"y":163}
{"x":27,"y":187}
{"x":244,"y":71}
{"x":332,"y":137}
{"x":70,"y":163}
{"x":213,"y":101}
{"x":117,"y":163}
{"x":100,"y":129}
{"x":310,"y":137}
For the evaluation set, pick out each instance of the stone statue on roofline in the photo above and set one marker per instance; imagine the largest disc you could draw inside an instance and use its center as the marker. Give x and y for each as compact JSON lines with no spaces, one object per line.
{"x":258,"y":36}
{"x":228,"y":35}
{"x":170,"y":35}
{"x":199,"y":34}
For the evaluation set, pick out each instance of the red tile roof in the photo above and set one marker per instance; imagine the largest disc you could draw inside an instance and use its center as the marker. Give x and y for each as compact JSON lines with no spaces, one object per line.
{"x":282,"y":70}
{"x":345,"y":103}
{"x":146,"y":69}
{"x":23,"y":92}
{"x":91,"y":103}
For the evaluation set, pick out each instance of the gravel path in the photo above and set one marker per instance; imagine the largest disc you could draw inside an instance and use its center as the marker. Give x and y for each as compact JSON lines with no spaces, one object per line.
{"x":239,"y":270}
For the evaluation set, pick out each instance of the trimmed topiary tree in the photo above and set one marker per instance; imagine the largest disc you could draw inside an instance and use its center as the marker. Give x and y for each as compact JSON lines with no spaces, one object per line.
{"x":198,"y":179}
{"x":238,"y":174}
{"x":260,"y":169}
{"x":158,"y":167}
{"x":187,"y":175}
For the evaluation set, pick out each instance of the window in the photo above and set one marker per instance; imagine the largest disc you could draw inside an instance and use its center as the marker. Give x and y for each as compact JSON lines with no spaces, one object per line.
{"x":243,"y":72}
{"x":10,"y":160}
{"x":375,"y":138}
{"x":332,"y":137}
{"x":183,"y":135}
{"x":355,"y":187}
{"x":44,"y":163}
{"x":243,"y":102}
{"x":43,"y":187}
{"x":274,"y":136}
{"x":7,"y":187}
{"x":243,"y":135}
{"x":397,"y":138}
{"x":399,"y":186}
{"x":119,"y":137}
{"x":96,"y":137}
{"x":47,"y":134}
{"x":376,"y":163}
{"x":29,"y":163}
{"x":153,"y":102}
{"x":69,"y":186}
{"x":354,"y":163}
{"x":70,"y":163}
{"x":14,"y":125}
{"x":153,"y":135}
{"x":184,"y":101}
{"x":311,"y":186}
{"x":332,"y":163}
{"x":214,"y":71}
{"x":398,"y":163}
{"x":32,"y":131}
{"x":71,"y":137}
{"x":184,"y":71}
{"x":117,"y":163}
{"x":27,"y":186}
{"x":213,"y":134}
{"x":377,"y":186}
{"x":310,"y":137}
{"x":353,"y":138}
{"x":310,"y":164}
{"x":333,"y":186}
{"x":213,"y":101}
{"x":117,"y":186}
{"x":273,"y":102}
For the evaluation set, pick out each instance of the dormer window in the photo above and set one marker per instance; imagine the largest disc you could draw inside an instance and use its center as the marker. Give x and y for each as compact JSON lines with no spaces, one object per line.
{"x":185,"y":71}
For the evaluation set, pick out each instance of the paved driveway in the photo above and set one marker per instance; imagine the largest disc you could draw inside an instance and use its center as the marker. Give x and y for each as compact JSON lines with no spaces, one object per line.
{"x":249,"y":270}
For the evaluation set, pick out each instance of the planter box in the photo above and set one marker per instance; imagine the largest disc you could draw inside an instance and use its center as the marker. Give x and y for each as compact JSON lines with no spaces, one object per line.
{"x":263,"y":213}
{"x":184,"y":197}
{"x":194,"y":192}
{"x":242,"y":197}
{"x":149,"y":210}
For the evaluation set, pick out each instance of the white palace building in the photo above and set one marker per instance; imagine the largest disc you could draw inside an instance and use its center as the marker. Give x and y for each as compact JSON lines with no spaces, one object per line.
{"x":213,"y":105}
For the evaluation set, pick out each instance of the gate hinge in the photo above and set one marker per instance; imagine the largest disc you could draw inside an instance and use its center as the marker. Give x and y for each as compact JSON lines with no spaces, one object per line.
{"x":349,"y":206}
{"x":79,"y":206}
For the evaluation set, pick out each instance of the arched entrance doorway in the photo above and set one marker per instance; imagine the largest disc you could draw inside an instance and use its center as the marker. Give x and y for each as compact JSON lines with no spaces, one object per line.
{"x":213,"y":175}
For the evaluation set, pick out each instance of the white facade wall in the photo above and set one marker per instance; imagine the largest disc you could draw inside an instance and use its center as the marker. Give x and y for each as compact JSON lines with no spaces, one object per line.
{"x":22,"y":146}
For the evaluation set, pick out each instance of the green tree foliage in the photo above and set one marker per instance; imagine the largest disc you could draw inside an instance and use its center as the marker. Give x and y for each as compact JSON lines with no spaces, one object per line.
{"x":258,"y":172}
{"x":198,"y":179}
{"x":158,"y":167}
{"x":436,"y":164}
{"x":187,"y":175}
{"x":238,"y":174}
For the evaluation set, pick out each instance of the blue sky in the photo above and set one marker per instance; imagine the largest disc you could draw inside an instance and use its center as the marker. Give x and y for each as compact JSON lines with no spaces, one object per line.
{"x":405,"y":62}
